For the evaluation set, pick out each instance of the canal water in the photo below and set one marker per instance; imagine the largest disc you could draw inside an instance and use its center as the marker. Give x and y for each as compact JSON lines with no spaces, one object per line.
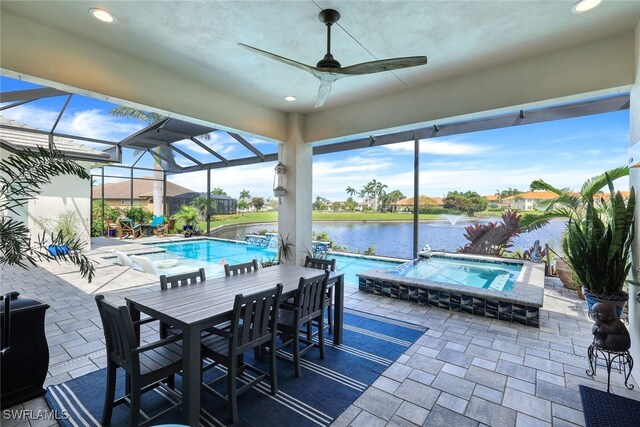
{"x":395,"y":239}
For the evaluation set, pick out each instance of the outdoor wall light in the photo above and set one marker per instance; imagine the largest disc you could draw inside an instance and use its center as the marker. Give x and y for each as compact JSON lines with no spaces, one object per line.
{"x":585,"y":5}
{"x":289,"y":98}
{"x":102,"y":15}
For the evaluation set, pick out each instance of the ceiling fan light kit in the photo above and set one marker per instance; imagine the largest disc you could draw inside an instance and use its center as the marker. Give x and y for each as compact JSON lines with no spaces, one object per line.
{"x":328,"y":69}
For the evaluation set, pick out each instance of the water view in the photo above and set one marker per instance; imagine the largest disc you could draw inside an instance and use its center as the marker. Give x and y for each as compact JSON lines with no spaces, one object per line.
{"x":394,"y":239}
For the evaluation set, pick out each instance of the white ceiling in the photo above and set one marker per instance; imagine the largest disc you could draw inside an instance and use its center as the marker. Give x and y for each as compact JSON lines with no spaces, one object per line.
{"x":198,"y":39}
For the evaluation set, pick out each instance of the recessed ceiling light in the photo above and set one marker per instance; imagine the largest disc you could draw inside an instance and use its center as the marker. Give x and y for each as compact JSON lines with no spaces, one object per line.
{"x":289,"y":98}
{"x":585,"y":5}
{"x":102,"y":15}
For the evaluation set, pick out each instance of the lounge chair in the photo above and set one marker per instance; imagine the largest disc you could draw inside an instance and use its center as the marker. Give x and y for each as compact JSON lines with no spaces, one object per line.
{"x":151,"y":267}
{"x":163,"y":230}
{"x":147,"y":265}
{"x":124,"y":259}
{"x":126,"y":226}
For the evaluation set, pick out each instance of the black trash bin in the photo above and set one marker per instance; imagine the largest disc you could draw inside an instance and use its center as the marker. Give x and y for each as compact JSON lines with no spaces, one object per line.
{"x":24,"y":359}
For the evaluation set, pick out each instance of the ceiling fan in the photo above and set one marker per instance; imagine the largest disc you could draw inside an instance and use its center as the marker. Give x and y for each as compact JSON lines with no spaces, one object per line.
{"x":328,"y":70}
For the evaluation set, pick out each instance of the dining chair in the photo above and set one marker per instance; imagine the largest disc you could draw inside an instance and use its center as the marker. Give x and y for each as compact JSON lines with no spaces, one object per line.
{"x":324,"y":264}
{"x":184,"y":279}
{"x":253,"y":324}
{"x":145,"y":365}
{"x":126,"y":226}
{"x":307,"y":307}
{"x":234,"y":270}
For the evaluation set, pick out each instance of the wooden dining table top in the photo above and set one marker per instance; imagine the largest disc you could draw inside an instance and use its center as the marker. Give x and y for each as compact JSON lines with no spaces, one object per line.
{"x":211,"y":301}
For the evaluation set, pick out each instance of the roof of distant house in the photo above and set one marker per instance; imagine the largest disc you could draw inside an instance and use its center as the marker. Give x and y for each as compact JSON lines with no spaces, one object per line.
{"x":491,"y":197}
{"x":422,"y":201}
{"x":533,"y":195}
{"x":142,"y":188}
{"x":21,"y":140}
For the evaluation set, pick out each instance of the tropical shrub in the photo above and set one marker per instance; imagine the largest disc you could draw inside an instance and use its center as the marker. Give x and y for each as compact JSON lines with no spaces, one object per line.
{"x":66,"y":223}
{"x":492,"y":238}
{"x":139,"y":214}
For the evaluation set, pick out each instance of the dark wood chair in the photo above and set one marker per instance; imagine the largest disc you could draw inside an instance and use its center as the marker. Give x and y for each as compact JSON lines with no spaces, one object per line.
{"x":126,"y":227}
{"x":324,"y":264}
{"x":184,"y":279}
{"x":307,"y":307}
{"x":145,"y":365}
{"x":253,"y":324}
{"x":234,"y":270}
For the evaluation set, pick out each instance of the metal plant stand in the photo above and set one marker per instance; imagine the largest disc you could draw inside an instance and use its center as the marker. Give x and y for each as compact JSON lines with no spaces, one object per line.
{"x":623,"y":360}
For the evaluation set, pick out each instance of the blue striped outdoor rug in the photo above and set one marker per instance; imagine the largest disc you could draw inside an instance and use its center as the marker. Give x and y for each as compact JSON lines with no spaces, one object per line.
{"x":325,"y":389}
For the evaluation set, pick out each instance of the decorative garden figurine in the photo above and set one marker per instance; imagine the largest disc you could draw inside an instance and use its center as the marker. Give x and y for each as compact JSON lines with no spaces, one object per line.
{"x":608,"y":331}
{"x":536,"y":254}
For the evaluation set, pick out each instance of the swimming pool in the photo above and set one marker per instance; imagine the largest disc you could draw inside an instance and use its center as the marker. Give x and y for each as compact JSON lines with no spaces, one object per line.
{"x":500,"y":276}
{"x":212,"y":254}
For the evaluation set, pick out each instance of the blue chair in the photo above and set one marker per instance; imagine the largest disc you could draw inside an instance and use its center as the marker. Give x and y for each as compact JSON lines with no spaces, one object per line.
{"x":157,"y":221}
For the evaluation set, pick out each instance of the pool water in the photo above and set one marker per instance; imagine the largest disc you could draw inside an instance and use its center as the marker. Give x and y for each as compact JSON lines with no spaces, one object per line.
{"x":212,"y":254}
{"x":500,"y":276}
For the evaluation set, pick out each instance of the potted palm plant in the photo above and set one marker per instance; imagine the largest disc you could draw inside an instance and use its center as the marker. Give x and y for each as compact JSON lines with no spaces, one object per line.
{"x":568,"y":204}
{"x":598,"y":247}
{"x":188,"y":216}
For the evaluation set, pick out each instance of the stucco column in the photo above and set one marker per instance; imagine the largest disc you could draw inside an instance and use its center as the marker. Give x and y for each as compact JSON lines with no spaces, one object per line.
{"x":294,"y":214}
{"x":634,"y":179}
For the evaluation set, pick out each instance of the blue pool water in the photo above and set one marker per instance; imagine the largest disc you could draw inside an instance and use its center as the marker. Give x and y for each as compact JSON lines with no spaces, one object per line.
{"x":500,"y":276}
{"x":213,"y":254}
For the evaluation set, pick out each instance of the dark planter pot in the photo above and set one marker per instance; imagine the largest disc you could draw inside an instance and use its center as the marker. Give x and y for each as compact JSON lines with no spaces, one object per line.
{"x":187,"y":230}
{"x":617,"y":300}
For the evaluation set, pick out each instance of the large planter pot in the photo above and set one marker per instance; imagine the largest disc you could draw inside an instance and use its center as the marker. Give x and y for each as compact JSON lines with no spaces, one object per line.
{"x":617,"y":301}
{"x":565,"y":273}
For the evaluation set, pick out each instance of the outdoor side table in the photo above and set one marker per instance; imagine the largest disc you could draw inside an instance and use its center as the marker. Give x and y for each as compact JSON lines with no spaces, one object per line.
{"x":621,"y":359}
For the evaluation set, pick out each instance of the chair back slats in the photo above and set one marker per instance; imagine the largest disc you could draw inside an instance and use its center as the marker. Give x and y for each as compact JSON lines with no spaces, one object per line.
{"x":182,"y":279}
{"x":254,"y":318}
{"x":234,"y":270}
{"x":320,"y":264}
{"x":118,"y":333}
{"x":310,"y":296}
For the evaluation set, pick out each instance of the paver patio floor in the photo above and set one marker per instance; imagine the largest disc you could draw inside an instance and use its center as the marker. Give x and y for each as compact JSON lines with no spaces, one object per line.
{"x":465,"y":370}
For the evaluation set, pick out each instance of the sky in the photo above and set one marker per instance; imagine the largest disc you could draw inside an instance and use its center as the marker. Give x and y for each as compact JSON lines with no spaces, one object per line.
{"x":564,"y":153}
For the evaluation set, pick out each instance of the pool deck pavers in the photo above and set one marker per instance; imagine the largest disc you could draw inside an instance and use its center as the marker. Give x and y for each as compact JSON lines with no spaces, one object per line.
{"x":465,"y":370}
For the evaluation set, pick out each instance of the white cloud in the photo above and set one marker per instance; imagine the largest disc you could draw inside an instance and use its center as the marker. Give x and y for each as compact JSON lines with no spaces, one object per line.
{"x":93,"y":123}
{"x":430,"y":146}
{"x":216,"y":142}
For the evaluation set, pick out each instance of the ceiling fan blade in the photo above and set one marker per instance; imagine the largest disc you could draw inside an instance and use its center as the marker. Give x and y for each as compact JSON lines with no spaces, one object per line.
{"x":323,"y":92}
{"x":282,"y":59}
{"x":382,"y":65}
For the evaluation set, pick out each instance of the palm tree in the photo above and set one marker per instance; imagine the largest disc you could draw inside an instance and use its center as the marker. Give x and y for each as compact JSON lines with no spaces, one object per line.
{"x":200,"y":203}
{"x":378,"y":191}
{"x":569,"y":204}
{"x":351,"y":191}
{"x":219,"y":191}
{"x":245,"y":195}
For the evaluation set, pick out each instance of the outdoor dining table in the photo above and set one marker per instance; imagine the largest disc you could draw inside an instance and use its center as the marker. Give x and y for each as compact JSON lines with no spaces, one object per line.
{"x":196,"y":307}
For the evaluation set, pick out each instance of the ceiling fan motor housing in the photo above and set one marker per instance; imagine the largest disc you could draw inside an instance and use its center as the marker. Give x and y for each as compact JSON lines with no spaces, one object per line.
{"x":328,"y":17}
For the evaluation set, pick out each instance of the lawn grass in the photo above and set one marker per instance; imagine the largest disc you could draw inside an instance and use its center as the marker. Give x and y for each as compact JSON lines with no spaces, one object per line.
{"x":258,"y":217}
